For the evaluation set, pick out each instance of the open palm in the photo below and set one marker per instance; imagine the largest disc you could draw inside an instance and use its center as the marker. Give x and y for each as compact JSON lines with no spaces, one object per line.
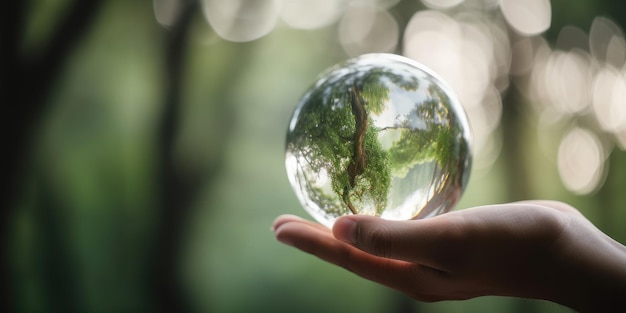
{"x":535,"y":249}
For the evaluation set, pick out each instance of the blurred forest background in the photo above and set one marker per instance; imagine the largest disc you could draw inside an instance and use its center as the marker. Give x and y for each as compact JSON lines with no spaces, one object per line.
{"x":143,"y":157}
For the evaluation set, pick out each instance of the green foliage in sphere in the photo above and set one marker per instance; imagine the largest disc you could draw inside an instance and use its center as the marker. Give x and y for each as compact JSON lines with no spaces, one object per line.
{"x":365,"y":136}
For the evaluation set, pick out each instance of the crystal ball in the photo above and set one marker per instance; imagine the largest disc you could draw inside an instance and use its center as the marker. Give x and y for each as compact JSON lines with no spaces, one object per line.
{"x":379,"y":134}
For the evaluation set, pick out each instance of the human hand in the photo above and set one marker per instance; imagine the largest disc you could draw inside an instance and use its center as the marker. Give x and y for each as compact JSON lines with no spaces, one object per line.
{"x":537,"y":249}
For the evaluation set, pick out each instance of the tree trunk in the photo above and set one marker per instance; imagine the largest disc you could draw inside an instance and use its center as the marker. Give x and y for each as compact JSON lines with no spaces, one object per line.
{"x":25,"y":86}
{"x":176,"y":191}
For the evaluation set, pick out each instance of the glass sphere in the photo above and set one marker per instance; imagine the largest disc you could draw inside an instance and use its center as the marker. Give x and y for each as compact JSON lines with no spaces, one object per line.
{"x":382,"y":135}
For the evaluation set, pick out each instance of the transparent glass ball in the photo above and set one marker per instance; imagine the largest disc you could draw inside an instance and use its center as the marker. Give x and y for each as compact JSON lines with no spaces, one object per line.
{"x":379,"y":134}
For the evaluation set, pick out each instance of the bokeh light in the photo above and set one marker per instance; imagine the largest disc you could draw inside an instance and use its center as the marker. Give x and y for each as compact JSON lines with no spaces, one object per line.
{"x":609,"y":99}
{"x":166,"y":11}
{"x":311,"y":14}
{"x":581,"y":161}
{"x":441,"y":4}
{"x":473,"y":54}
{"x":367,"y":29}
{"x":606,"y":40}
{"x":239,"y":20}
{"x":529,"y":17}
{"x":568,"y":77}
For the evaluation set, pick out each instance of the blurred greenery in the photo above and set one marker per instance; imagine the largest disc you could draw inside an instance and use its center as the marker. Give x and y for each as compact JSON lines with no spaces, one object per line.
{"x":144,"y":165}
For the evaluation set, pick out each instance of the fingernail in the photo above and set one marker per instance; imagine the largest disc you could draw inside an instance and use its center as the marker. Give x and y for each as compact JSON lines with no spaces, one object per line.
{"x":282,"y":220}
{"x":345,"y":229}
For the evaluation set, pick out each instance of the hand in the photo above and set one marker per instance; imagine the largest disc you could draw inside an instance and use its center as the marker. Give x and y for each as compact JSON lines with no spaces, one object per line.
{"x":536,"y":249}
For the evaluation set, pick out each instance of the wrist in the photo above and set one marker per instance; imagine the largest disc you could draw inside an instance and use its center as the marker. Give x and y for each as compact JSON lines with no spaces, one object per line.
{"x":591,"y":272}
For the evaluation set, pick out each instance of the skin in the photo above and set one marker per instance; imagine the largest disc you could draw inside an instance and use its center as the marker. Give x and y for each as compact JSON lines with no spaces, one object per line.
{"x":535,"y":249}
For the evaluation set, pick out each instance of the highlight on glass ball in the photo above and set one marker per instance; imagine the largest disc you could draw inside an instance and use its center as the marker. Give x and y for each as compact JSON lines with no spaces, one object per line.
{"x":381,"y":135}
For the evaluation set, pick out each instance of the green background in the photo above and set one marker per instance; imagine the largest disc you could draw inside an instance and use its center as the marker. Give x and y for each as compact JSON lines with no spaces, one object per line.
{"x":144,"y":166}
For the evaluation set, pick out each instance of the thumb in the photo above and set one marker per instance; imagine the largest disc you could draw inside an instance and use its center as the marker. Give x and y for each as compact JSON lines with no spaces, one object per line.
{"x":375,"y":235}
{"x":421,"y":241}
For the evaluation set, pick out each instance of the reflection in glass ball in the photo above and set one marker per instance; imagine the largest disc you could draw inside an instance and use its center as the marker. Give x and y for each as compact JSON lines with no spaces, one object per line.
{"x":380,"y":135}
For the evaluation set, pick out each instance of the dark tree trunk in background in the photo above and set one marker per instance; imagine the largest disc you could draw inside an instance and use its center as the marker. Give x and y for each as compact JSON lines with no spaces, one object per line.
{"x":53,"y":253}
{"x":513,"y":130}
{"x":25,"y":85}
{"x":179,"y":188}
{"x":176,"y":190}
{"x":10,"y":130}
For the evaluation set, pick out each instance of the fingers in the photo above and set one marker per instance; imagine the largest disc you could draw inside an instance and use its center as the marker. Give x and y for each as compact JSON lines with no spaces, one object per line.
{"x":301,"y":233}
{"x":427,"y":242}
{"x":416,"y":279}
{"x":292,"y":218}
{"x":318,"y":240}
